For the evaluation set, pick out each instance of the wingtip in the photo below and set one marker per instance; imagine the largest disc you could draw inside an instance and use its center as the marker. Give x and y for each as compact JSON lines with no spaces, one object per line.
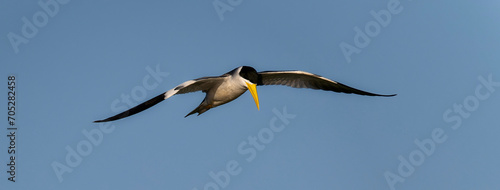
{"x":102,"y":120}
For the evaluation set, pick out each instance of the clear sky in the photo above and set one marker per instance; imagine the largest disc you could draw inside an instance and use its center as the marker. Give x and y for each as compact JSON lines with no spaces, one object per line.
{"x":80,"y":61}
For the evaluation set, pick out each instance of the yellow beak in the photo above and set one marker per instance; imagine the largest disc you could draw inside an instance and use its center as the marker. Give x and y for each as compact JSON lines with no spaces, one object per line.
{"x":253,"y":89}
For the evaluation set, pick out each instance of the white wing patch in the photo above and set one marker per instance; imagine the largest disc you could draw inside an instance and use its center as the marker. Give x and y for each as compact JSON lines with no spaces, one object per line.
{"x":202,"y":84}
{"x":174,"y":91}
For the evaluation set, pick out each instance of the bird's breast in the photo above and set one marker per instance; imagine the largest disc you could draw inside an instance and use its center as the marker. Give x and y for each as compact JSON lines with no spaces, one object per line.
{"x":227,"y":92}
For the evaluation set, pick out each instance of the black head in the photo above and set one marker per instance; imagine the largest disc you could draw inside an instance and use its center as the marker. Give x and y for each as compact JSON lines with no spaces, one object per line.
{"x":250,"y":74}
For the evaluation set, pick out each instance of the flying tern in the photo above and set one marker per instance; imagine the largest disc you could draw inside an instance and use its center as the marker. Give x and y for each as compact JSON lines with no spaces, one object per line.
{"x":227,"y":87}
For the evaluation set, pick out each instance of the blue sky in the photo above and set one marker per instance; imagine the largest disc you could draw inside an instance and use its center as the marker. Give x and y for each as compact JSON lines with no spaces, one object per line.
{"x":78,"y":61}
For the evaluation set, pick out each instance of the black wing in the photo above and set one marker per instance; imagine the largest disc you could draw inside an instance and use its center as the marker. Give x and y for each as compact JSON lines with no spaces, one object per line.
{"x":202,"y":84}
{"x":301,"y":79}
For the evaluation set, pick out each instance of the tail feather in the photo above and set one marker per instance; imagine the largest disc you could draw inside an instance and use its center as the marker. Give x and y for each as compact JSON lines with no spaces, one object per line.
{"x":202,"y":108}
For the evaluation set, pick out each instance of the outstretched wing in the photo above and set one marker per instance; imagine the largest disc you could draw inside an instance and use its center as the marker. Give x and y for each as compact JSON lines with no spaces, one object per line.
{"x":203,"y":84}
{"x":302,"y":79}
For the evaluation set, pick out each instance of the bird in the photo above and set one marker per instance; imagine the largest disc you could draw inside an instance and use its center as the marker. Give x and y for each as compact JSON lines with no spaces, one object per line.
{"x":229,"y":86}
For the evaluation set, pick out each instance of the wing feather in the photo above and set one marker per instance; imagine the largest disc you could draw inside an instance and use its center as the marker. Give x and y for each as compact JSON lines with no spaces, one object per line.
{"x":302,"y":79}
{"x":203,"y":84}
